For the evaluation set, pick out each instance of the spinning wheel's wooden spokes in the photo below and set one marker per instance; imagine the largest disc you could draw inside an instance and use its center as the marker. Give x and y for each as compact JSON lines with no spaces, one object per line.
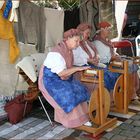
{"x":94,"y":107}
{"x":124,"y":88}
{"x":118,"y":93}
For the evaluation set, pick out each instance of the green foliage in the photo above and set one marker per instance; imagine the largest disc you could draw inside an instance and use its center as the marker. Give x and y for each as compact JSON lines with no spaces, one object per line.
{"x":68,"y":4}
{"x":44,"y":3}
{"x":65,"y":4}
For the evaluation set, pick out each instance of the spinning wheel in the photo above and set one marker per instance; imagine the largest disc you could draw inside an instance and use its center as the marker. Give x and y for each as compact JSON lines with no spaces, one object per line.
{"x":94,"y":112}
{"x":118,"y":93}
{"x":99,"y":104}
{"x":123,"y":90}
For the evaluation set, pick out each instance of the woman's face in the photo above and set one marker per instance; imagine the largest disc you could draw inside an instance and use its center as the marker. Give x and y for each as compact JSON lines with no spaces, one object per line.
{"x":86,"y":34}
{"x":73,"y":42}
{"x":106,"y":32}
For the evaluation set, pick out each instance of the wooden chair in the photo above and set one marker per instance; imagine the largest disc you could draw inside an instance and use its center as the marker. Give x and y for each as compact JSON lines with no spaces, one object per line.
{"x":99,"y":104}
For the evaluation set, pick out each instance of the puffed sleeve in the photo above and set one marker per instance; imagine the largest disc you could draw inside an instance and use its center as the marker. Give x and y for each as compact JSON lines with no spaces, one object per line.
{"x":55,"y":62}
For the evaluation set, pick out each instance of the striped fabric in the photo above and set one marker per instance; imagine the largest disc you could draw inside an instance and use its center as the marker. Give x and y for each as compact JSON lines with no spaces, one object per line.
{"x":33,"y":128}
{"x":89,"y":14}
{"x":95,"y":11}
{"x":107,"y":13}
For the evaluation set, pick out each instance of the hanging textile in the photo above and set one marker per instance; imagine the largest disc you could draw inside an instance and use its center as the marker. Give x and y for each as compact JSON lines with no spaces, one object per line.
{"x":89,"y":13}
{"x":31,"y":24}
{"x":8,"y":73}
{"x":54,"y":27}
{"x":107,"y":13}
{"x":7,"y":32}
{"x":71,"y":19}
{"x":120,"y":7}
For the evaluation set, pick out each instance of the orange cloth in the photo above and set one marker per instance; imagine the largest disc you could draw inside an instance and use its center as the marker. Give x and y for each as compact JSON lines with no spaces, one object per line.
{"x":7,"y":32}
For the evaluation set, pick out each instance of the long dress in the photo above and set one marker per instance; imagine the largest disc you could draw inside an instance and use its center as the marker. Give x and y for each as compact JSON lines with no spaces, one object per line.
{"x":74,"y":113}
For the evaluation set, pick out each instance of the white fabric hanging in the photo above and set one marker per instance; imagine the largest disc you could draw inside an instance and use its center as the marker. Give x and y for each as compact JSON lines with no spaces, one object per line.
{"x":8,"y":73}
{"x":120,"y":7}
{"x":54,"y":27}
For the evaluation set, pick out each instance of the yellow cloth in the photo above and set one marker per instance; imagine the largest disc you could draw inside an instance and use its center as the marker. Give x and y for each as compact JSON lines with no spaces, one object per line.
{"x":7,"y":32}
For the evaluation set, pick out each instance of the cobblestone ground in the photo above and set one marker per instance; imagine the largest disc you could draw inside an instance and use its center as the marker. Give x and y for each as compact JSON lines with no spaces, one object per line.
{"x":128,"y":130}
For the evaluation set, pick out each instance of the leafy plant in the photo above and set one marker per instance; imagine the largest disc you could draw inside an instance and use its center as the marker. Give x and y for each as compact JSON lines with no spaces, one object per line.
{"x":68,"y":4}
{"x":65,"y":4}
{"x":44,"y":3}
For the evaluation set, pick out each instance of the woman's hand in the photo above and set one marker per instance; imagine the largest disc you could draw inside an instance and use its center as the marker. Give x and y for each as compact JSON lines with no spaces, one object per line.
{"x":64,"y":75}
{"x":116,"y":58}
{"x":83,"y":68}
{"x":93,"y":61}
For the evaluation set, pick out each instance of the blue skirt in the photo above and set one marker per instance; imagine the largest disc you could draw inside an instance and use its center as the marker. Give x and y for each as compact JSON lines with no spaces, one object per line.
{"x":67,"y":93}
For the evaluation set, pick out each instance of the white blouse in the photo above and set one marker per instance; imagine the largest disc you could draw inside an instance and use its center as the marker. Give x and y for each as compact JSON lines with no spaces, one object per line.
{"x":103,"y":51}
{"x":55,"y":62}
{"x":81,"y":57}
